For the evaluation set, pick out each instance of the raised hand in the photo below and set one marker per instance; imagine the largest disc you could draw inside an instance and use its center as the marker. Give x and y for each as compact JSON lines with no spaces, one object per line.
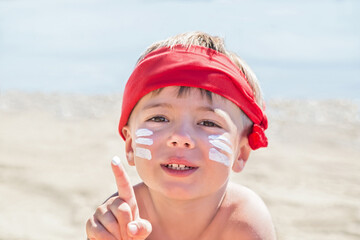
{"x":118,"y":218}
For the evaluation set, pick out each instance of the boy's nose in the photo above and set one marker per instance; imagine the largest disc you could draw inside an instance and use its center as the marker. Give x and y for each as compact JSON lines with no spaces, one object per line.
{"x":181,"y":140}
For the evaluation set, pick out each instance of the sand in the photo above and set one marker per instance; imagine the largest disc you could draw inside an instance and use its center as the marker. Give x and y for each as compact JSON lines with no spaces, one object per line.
{"x":55,"y":152}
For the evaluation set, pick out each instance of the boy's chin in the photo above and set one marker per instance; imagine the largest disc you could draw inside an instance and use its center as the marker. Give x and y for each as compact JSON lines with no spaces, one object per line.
{"x":187,"y":192}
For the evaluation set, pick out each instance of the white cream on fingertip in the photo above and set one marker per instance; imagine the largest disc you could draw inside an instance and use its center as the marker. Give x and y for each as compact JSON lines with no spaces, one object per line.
{"x":115,"y":160}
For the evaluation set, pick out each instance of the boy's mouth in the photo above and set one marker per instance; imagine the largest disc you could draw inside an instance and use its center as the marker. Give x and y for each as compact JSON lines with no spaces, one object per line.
{"x":180,"y":167}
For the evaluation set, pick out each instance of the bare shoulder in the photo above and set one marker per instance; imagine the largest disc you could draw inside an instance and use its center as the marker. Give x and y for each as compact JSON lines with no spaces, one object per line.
{"x":248,"y":218}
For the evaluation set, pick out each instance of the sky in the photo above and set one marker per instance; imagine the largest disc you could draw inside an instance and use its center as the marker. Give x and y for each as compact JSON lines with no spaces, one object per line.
{"x":298,"y":49}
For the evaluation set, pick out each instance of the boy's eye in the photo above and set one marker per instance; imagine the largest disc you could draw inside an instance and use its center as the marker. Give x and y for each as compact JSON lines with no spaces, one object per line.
{"x":158,"y":119}
{"x":208,"y":123}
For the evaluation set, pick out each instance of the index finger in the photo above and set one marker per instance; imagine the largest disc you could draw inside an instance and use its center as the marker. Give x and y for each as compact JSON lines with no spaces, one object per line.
{"x":125,"y":189}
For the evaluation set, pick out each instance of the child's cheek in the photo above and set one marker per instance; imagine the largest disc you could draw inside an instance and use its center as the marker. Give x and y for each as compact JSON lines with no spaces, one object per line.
{"x":220,"y":145}
{"x":143,"y":138}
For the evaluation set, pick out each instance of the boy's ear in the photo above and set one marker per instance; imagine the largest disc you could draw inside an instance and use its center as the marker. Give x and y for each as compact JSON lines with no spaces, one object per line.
{"x":243,"y":156}
{"x":128,"y":145}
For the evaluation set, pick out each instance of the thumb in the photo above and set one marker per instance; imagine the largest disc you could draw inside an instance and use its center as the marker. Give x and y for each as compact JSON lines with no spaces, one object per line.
{"x":139,"y":229}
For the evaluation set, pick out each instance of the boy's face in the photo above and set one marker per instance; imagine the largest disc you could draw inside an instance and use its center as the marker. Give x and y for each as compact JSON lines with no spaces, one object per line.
{"x":184,"y":147}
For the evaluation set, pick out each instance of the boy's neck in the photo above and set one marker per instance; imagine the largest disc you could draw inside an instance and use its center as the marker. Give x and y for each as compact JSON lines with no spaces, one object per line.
{"x":186,"y":218}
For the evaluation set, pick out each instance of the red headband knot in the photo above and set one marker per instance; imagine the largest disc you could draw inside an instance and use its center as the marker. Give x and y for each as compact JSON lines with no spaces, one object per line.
{"x":194,"y":66}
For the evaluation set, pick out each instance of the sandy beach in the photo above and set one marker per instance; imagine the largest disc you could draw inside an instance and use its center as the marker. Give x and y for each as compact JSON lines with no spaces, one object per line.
{"x":55,"y":153}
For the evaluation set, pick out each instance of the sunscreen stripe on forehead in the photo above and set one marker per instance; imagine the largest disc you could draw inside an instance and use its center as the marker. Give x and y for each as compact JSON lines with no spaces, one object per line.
{"x":219,"y":144}
{"x":143,"y":153}
{"x":144,"y":141}
{"x":143,"y":132}
{"x":217,"y":156}
{"x":219,"y":137}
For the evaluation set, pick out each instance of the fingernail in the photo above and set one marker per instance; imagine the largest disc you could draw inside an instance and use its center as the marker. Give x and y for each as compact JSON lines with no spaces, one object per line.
{"x":115,"y":160}
{"x":132,"y":228}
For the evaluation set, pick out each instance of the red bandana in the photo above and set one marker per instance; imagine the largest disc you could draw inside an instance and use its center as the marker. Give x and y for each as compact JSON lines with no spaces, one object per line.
{"x":199,"y":67}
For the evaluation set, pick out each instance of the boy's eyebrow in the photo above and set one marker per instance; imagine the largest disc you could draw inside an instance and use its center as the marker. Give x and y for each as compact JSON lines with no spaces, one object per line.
{"x":206,"y":109}
{"x":166,"y":105}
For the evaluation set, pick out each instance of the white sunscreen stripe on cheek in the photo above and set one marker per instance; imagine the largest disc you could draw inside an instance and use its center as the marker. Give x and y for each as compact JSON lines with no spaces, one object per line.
{"x":144,"y":141}
{"x":219,"y":144}
{"x":219,"y":137}
{"x":217,"y":156}
{"x":143,"y":132}
{"x":143,"y":153}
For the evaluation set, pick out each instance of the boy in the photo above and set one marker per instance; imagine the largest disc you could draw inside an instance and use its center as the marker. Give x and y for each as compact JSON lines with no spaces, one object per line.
{"x":192,"y":111}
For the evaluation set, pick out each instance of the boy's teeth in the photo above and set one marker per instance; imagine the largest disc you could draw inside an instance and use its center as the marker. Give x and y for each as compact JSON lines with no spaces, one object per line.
{"x":178,"y":167}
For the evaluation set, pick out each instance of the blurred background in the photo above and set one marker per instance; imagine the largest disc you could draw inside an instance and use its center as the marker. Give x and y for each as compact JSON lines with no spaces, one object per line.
{"x":64,"y":64}
{"x":298,"y":49}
